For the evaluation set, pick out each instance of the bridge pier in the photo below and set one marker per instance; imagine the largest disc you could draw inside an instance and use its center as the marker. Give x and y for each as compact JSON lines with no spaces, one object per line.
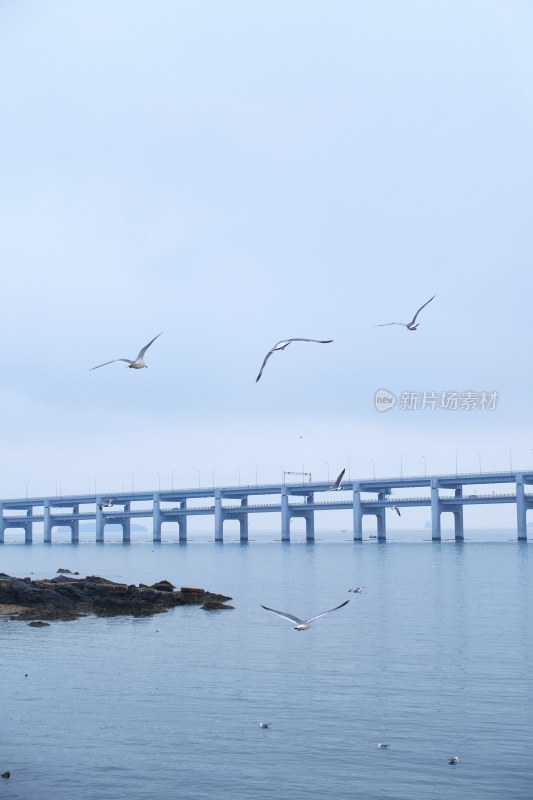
{"x":458,"y":517}
{"x":285,"y":516}
{"x":381,"y":519}
{"x":310,"y":521}
{"x":243,"y":522}
{"x":182,"y":523}
{"x":47,"y":523}
{"x":357,"y":514}
{"x":156,"y":519}
{"x":28,"y":527}
{"x":99,"y":522}
{"x":521,"y":509}
{"x":219,"y":519}
{"x":75,"y":527}
{"x":435,"y":512}
{"x":126,"y":525}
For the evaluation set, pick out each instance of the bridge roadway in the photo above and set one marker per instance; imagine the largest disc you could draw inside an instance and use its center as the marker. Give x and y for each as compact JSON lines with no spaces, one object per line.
{"x":65,"y":511}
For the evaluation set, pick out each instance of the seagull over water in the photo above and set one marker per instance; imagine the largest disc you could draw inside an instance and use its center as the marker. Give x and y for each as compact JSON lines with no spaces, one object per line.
{"x":137,"y":363}
{"x":302,"y":624}
{"x":281,"y":345}
{"x":395,"y":508}
{"x":337,"y":485}
{"x":409,"y":325}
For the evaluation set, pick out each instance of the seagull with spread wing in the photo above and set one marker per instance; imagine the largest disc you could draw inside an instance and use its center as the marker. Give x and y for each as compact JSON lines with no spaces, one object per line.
{"x":409,"y":325}
{"x":137,"y":363}
{"x":301,"y":624}
{"x":337,"y":485}
{"x":281,"y":345}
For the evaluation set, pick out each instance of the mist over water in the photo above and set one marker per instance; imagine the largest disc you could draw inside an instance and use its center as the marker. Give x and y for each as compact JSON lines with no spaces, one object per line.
{"x":433,"y":657}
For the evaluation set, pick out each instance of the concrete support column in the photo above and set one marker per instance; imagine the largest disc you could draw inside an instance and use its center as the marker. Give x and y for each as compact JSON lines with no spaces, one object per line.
{"x":435,"y":512}
{"x":75,"y":527}
{"x":99,"y":521}
{"x":156,"y":519}
{"x":2,"y":524}
{"x":310,"y":526}
{"x":458,"y":518}
{"x":243,"y":521}
{"x":47,"y":523}
{"x":285,"y":516}
{"x":357,"y":514}
{"x":28,"y":527}
{"x":521,"y":509}
{"x":182,"y":523}
{"x":219,"y":519}
{"x":126,"y":525}
{"x":382,"y":525}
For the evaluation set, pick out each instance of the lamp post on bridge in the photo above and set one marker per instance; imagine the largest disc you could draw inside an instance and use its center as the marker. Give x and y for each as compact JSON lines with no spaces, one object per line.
{"x":239,"y":474}
{"x":256,"y":468}
{"x":132,"y":474}
{"x":282,"y":473}
{"x":327,"y":465}
{"x":27,"y":489}
{"x":198,"y":473}
{"x":158,"y":480}
{"x":172,"y":477}
{"x":479,"y":459}
{"x":511,"y":458}
{"x":425,"y":467}
{"x":214,"y":468}
{"x":123,"y":484}
{"x":373,"y":468}
{"x":401,"y":465}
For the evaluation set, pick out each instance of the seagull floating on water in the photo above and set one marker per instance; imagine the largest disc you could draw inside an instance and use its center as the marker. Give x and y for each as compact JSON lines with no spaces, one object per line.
{"x":382,"y":746}
{"x":301,"y":624}
{"x":409,"y":325}
{"x":137,"y":363}
{"x":264,"y":724}
{"x":281,"y":345}
{"x":453,"y":760}
{"x":337,"y":485}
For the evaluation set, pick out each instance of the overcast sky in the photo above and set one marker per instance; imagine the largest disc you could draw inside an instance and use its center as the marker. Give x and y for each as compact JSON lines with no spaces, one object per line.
{"x":232,"y":173}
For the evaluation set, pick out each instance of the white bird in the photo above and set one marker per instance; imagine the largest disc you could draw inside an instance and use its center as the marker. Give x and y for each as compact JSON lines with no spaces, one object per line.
{"x":453,"y":760}
{"x":281,"y":345}
{"x":395,"y":508}
{"x":302,"y":624}
{"x":137,"y":363}
{"x":356,"y":590}
{"x":382,"y":746}
{"x":337,"y":485}
{"x":264,"y":724}
{"x":409,"y":325}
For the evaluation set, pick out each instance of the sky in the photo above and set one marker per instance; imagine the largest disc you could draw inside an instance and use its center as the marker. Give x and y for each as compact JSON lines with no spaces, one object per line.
{"x":233,"y":173}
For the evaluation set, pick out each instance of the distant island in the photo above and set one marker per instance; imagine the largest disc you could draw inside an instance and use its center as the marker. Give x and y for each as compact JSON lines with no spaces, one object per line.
{"x":67,"y":597}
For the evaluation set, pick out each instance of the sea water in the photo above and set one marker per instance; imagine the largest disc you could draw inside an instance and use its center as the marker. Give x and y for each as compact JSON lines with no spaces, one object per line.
{"x":433,"y":657}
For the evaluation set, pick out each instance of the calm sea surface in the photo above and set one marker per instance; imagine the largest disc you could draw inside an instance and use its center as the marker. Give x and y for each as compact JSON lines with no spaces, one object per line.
{"x":435,"y":657}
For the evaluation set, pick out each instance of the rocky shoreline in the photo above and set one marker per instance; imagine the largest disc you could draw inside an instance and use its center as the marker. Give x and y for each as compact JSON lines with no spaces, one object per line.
{"x":66,"y":598}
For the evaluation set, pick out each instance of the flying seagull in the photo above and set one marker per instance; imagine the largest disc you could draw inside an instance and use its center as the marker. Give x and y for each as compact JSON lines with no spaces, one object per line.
{"x":395,"y":508}
{"x":409,"y":325}
{"x":302,"y":624}
{"x":337,"y":485}
{"x":285,"y":343}
{"x":356,"y":590}
{"x":137,"y":363}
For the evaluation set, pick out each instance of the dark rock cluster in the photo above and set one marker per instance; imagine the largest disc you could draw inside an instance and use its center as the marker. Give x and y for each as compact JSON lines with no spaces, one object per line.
{"x":66,"y":598}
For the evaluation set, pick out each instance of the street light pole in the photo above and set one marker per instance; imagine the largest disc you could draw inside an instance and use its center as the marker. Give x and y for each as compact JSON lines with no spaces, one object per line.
{"x":425,"y":467}
{"x":172,"y":477}
{"x":373,"y":468}
{"x":479,"y":459}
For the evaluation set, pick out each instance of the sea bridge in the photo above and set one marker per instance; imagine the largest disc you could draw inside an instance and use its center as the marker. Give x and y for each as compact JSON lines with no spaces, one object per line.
{"x":368,"y":497}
